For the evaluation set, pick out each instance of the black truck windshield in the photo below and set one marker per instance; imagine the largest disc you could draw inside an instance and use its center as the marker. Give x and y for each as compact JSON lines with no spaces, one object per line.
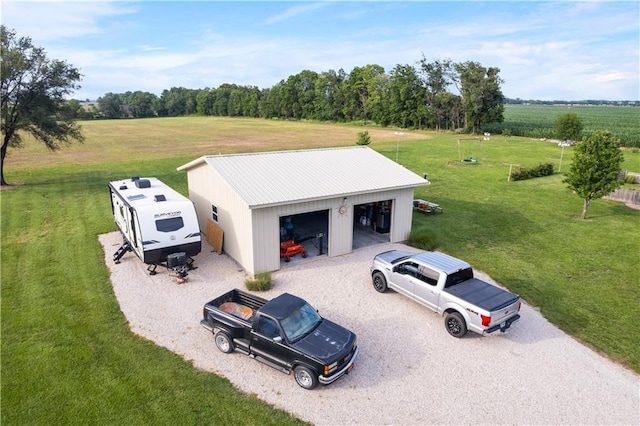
{"x":300,"y":323}
{"x":458,"y":277}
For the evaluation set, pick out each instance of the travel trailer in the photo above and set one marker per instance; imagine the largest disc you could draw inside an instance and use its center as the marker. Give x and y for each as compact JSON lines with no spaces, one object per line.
{"x":157,"y":223}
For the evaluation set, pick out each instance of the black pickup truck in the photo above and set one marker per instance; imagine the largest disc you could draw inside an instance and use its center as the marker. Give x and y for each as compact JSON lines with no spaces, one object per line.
{"x":285,"y":333}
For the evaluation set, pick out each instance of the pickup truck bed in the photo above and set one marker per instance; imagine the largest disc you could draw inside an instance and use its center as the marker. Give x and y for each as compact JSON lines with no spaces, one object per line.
{"x":237,"y":296}
{"x":233,"y":320}
{"x":476,"y":292}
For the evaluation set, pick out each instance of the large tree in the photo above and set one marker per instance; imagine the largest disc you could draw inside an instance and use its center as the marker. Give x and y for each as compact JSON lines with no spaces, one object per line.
{"x":32,"y":95}
{"x":482,"y":98}
{"x":437,"y":76}
{"x":568,"y":126}
{"x":366,"y":88}
{"x":405,"y":104}
{"x":112,"y":105}
{"x":594,"y":171}
{"x":330,"y":95}
{"x":141,"y":104}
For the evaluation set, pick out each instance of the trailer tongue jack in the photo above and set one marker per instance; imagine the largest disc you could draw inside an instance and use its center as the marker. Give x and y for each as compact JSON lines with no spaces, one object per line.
{"x":178,"y":265}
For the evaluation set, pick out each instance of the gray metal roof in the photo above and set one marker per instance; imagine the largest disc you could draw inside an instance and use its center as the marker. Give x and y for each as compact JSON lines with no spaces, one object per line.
{"x":281,"y":177}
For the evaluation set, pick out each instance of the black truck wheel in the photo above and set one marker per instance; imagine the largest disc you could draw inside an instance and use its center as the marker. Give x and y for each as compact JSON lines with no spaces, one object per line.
{"x":456,"y":325}
{"x":379,"y":282}
{"x":223,"y":342}
{"x":305,"y":377}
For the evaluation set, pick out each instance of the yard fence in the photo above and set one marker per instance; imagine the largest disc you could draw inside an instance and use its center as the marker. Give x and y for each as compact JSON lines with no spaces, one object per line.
{"x":623,"y":175}
{"x":625,"y":195}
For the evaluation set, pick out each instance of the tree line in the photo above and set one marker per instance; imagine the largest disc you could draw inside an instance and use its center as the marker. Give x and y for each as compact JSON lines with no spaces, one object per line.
{"x":438,"y":94}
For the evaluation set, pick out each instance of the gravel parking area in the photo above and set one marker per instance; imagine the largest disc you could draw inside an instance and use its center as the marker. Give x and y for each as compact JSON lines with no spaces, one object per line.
{"x":409,"y":370}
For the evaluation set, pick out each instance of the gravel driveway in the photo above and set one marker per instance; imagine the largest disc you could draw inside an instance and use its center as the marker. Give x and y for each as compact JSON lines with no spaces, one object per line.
{"x":409,"y":370}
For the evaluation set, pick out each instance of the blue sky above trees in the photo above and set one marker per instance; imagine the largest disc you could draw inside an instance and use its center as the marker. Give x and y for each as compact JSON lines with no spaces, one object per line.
{"x":545,"y":50}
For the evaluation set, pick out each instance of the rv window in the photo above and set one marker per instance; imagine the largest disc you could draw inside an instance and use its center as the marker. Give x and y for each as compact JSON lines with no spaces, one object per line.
{"x":169,"y":225}
{"x":214,"y":213}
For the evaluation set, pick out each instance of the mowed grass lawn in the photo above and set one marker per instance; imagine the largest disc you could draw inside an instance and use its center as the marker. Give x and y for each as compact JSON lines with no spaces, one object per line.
{"x":68,"y":356}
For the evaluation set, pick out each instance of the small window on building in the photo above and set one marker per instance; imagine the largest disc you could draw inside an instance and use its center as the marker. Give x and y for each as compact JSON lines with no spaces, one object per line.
{"x":214,"y":213}
{"x":169,"y":225}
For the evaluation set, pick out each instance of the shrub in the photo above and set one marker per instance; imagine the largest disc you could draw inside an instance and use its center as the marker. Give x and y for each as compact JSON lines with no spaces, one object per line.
{"x":262,"y":282}
{"x":523,"y":173}
{"x":629,"y":178}
{"x":363,"y":138}
{"x":506,"y":133}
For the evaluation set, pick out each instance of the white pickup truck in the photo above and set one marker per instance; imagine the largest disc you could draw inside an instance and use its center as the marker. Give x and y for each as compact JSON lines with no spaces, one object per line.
{"x":447,"y":286}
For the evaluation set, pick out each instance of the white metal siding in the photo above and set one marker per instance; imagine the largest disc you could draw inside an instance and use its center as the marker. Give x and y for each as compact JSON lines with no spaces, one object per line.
{"x":206,"y":188}
{"x":266,"y":233}
{"x":340,"y":229}
{"x":401,"y":215}
{"x":199,"y":180}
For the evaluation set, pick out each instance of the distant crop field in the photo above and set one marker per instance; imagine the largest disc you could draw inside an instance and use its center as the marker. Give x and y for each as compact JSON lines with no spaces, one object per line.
{"x":537,"y":121}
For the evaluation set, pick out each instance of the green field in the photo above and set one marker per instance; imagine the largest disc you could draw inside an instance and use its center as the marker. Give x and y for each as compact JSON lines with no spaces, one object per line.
{"x":536,"y":121}
{"x":68,"y":356}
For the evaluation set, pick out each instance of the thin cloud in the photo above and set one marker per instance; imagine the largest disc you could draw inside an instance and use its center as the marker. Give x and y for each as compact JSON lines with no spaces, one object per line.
{"x":294,"y":11}
{"x":147,"y":48}
{"x":53,"y":21}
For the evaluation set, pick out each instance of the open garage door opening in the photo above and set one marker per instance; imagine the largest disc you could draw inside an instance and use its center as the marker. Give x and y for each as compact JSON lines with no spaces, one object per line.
{"x":372,"y":223}
{"x":304,"y":236}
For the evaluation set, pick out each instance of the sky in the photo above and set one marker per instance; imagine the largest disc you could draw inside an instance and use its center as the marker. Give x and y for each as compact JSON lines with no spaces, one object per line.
{"x":556,"y":50}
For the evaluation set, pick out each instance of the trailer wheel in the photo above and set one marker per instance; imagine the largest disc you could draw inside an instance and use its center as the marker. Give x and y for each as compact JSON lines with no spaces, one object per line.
{"x":455,"y":324}
{"x":286,"y":258}
{"x":379,"y":282}
{"x":223,"y":342}
{"x":305,"y":377}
